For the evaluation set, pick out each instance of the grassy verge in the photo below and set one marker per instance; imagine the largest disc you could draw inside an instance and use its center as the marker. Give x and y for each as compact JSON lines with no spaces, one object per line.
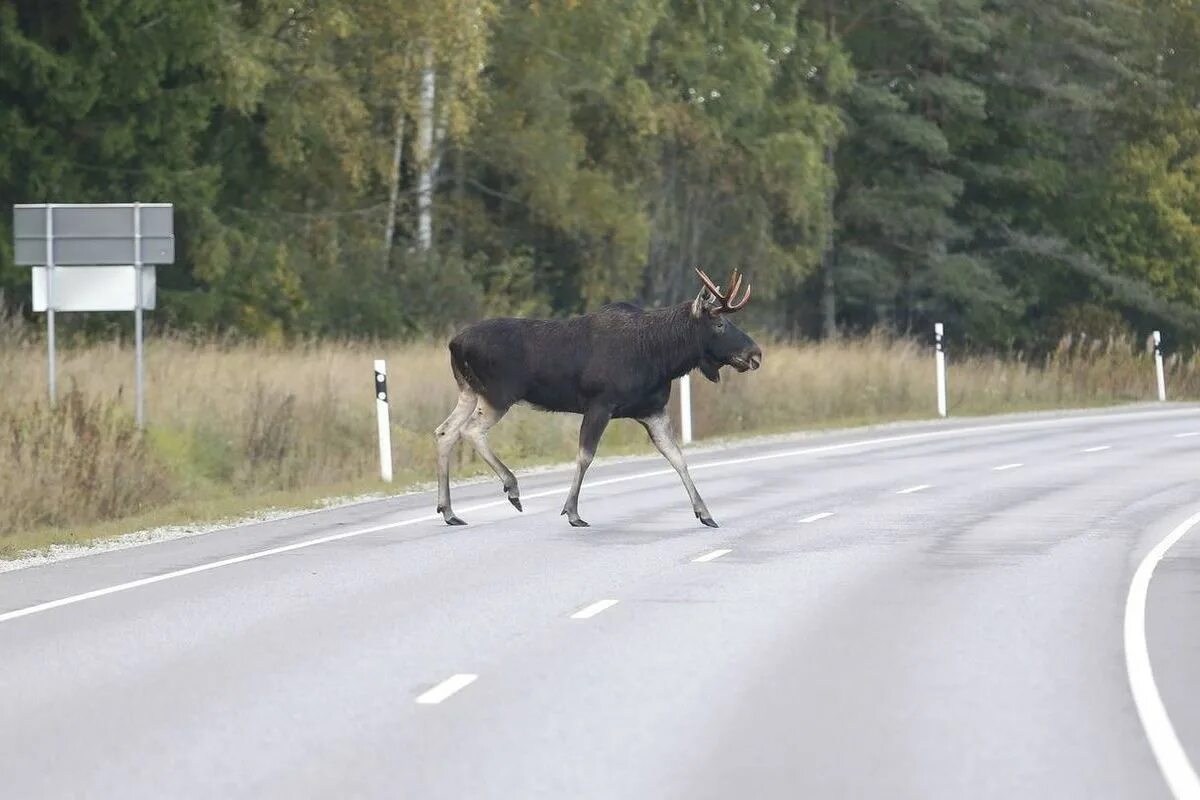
{"x":235,"y":427}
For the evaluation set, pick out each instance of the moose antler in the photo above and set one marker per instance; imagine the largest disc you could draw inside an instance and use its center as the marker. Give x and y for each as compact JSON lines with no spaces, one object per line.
{"x":727,"y":304}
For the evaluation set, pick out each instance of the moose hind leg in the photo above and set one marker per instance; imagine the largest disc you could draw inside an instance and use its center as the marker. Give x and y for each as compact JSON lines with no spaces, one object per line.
{"x":594,"y":423}
{"x":475,"y":431}
{"x":447,"y":436}
{"x":659,"y":428}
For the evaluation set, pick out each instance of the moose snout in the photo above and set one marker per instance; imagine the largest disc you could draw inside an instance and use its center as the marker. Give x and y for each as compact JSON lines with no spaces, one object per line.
{"x":748,"y":359}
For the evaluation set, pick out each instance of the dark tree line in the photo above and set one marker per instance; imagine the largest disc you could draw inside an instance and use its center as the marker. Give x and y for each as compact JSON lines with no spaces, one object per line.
{"x":1017,"y":169}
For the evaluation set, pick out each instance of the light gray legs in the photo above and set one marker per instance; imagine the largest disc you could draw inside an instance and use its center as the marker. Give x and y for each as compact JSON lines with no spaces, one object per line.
{"x":475,"y":432}
{"x":659,"y":428}
{"x":473,"y":417}
{"x":595,"y":420}
{"x":447,"y":436}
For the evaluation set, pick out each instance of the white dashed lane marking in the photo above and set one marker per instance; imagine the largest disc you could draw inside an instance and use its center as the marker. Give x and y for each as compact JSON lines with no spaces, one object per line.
{"x":815,"y":517}
{"x":1096,"y":449}
{"x":587,"y":612}
{"x":1003,"y":467}
{"x":446,"y":688}
{"x":715,"y":554}
{"x":920,"y":487}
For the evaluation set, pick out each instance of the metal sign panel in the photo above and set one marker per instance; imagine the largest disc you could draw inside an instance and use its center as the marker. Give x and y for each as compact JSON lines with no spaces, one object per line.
{"x":29,"y":222}
{"x":96,"y":251}
{"x":95,"y":289}
{"x":94,"y":235}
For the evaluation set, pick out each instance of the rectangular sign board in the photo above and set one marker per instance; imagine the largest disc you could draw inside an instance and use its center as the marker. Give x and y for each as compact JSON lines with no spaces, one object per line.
{"x":94,"y":235}
{"x":95,"y":288}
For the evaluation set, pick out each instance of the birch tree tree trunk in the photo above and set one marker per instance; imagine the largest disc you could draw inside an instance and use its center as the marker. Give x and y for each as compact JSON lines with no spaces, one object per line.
{"x":439,"y":132}
{"x":828,"y":287}
{"x":394,"y":189}
{"x":425,"y":163}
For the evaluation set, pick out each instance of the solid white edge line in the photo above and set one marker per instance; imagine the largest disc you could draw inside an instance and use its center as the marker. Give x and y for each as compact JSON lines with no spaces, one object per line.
{"x":815,"y":517}
{"x":714,"y":555}
{"x":1096,"y":449}
{"x":1003,"y":467}
{"x":1172,"y":760}
{"x":920,"y":487}
{"x":831,"y":448}
{"x":446,"y":688}
{"x":587,"y":612}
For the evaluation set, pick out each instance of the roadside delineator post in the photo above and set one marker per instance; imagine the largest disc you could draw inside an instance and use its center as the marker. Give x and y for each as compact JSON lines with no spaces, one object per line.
{"x":685,"y":409}
{"x":383,"y":418}
{"x":1158,"y":367}
{"x":940,"y":356}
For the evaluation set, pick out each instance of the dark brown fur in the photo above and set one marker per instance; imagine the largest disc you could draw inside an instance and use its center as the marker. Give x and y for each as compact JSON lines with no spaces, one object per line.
{"x":615,"y":363}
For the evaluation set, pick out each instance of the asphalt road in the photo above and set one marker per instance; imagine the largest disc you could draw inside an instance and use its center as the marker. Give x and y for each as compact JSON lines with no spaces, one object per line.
{"x":956,"y":625}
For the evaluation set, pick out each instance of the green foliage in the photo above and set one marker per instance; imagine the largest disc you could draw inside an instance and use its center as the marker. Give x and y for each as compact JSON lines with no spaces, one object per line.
{"x":989,"y":164}
{"x":1152,"y":229}
{"x":102,"y":100}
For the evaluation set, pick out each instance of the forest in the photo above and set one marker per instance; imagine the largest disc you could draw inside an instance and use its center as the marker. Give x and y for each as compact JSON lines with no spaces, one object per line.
{"x":1020,"y":170}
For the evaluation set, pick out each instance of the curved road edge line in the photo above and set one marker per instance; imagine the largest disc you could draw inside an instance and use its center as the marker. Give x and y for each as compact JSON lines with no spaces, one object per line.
{"x":1168,"y":751}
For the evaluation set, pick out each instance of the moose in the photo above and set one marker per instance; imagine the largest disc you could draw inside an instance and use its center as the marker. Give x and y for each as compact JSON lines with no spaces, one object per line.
{"x":615,"y":363}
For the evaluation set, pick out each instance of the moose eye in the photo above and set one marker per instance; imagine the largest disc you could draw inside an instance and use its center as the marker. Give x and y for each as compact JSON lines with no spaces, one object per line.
{"x":719,"y":327}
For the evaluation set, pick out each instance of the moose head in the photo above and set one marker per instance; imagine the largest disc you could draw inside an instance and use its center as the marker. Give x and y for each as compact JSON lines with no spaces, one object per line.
{"x":724,"y":343}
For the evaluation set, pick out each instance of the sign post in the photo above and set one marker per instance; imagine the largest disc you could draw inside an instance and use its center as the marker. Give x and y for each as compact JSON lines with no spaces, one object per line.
{"x":50,"y":300}
{"x":139,"y":382}
{"x":95,"y":257}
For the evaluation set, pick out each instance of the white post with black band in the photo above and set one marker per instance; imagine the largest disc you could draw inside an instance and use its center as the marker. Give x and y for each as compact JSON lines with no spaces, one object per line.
{"x":685,"y":409}
{"x":940,"y":355}
{"x":1158,"y":367}
{"x":383,"y":418}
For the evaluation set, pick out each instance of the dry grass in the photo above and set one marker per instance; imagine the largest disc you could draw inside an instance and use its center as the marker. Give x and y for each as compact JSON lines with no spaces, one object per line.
{"x":231,"y":422}
{"x":878,"y":378}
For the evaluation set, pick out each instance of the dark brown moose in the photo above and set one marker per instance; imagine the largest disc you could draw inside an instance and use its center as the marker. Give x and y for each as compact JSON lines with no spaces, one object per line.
{"x":615,"y":363}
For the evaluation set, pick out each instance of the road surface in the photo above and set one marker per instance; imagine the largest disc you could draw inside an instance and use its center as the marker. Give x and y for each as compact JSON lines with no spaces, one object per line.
{"x":940,"y":610}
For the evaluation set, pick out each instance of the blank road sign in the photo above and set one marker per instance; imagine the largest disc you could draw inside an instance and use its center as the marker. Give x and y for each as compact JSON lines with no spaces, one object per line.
{"x":90,"y":235}
{"x":95,"y":289}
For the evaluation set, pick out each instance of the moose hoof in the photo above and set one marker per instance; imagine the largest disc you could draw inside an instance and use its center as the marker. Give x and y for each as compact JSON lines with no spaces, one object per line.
{"x":573,"y":518}
{"x":516,"y":501}
{"x":450,"y":517}
{"x":707,"y":520}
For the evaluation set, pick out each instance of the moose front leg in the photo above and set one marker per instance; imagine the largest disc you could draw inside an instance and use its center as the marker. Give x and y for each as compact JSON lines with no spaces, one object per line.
{"x":595,"y":420}
{"x":659,"y":428}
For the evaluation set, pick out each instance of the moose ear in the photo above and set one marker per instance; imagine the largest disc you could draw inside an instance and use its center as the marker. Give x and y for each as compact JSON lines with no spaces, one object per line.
{"x":704,"y":304}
